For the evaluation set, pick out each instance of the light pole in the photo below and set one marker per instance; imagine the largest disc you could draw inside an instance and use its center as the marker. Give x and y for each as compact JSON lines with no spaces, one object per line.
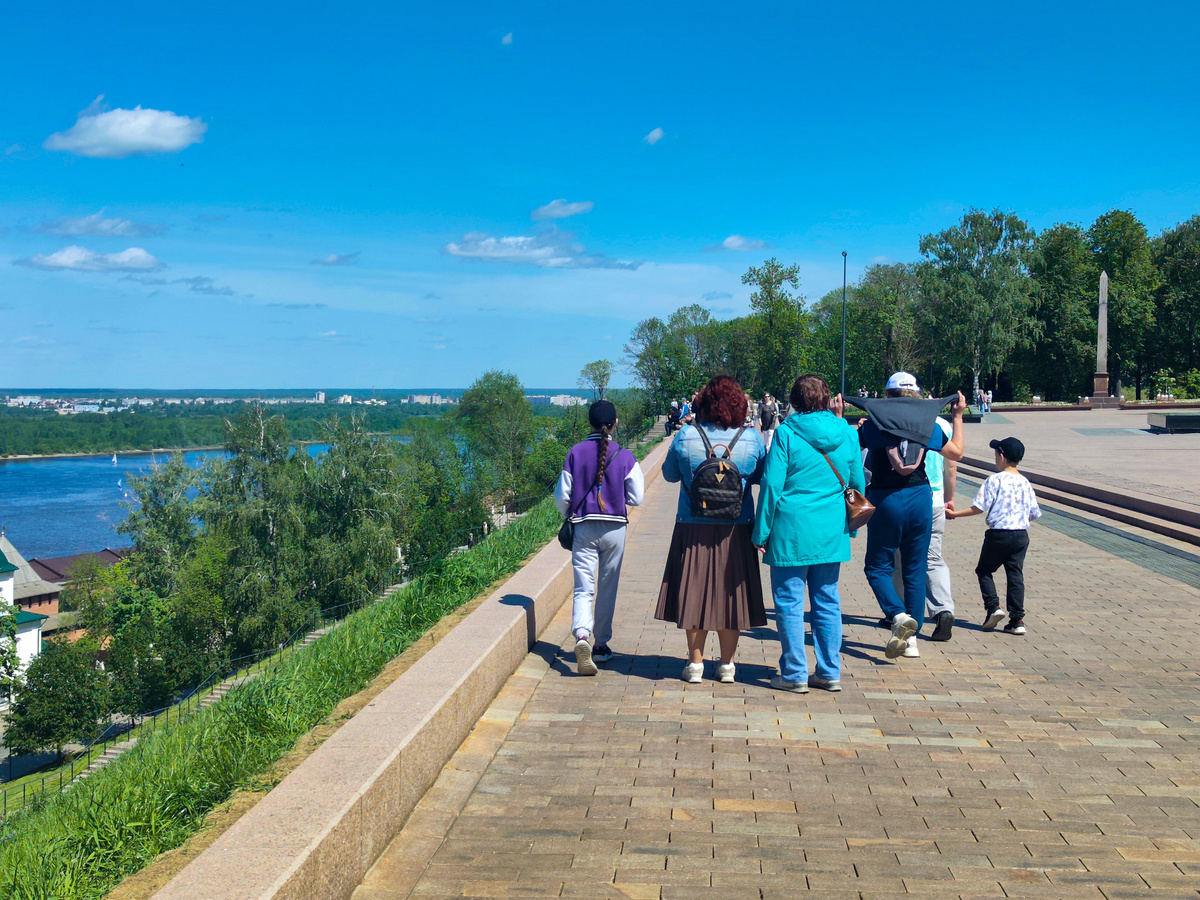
{"x":843,"y":323}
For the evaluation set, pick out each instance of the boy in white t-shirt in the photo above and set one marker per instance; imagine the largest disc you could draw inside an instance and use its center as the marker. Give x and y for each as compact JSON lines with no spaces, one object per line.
{"x":1010,"y":504}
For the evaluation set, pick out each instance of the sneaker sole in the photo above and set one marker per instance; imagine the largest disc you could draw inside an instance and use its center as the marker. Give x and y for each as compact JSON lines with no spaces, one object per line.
{"x":832,"y":686}
{"x":583,"y":659}
{"x":1014,"y":631}
{"x":725,"y":678}
{"x":993,"y":619}
{"x":899,"y":639}
{"x":693,"y":679}
{"x":798,"y":689}
{"x":944,"y":628}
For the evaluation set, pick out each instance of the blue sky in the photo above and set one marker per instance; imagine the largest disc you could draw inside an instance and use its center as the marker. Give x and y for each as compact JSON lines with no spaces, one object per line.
{"x":348,"y":196}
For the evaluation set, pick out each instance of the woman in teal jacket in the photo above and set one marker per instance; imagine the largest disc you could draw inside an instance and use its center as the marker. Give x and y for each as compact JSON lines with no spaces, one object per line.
{"x":801,"y":529}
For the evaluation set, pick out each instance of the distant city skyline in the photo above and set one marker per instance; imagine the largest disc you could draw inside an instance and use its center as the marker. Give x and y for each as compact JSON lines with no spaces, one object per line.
{"x":408,"y":195}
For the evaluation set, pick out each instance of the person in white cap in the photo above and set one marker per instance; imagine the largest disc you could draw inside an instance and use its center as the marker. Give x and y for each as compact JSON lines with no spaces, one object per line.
{"x":897,"y":438}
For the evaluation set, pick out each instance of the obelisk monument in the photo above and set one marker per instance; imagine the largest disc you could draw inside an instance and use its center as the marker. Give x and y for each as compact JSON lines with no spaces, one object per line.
{"x":1100,"y":398}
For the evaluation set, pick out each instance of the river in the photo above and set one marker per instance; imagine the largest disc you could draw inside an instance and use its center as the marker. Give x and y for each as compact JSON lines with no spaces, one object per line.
{"x":71,"y":504}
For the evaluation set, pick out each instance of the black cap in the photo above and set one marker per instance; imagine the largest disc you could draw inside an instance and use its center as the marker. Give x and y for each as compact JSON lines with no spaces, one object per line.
{"x":602,"y":413}
{"x":1013,"y":449}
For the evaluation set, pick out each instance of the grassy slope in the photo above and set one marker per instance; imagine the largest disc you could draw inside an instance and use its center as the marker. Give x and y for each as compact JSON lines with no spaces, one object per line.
{"x":81,"y":843}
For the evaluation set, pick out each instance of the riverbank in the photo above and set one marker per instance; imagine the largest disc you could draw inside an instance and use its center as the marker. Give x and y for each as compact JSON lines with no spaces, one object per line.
{"x":100,"y":454}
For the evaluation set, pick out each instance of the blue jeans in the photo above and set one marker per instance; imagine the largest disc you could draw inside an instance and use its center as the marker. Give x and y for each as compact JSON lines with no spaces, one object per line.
{"x":903,"y":521}
{"x":787,"y":589}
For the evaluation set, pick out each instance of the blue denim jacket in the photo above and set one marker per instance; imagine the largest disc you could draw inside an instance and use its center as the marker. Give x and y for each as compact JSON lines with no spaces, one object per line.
{"x":687,"y":452}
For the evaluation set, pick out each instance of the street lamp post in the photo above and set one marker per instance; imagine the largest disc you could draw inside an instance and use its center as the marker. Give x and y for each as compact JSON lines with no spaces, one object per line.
{"x":843,"y":323}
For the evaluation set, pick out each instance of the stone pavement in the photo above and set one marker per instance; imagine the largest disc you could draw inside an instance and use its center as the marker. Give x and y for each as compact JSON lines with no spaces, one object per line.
{"x":1112,"y":447}
{"x":1061,"y":764}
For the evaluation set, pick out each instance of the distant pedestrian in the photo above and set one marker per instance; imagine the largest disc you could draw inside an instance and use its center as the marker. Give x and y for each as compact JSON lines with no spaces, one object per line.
{"x":802,"y":531}
{"x":711,"y":580}
{"x":673,"y":417}
{"x":599,"y":482}
{"x":1010,"y":504}
{"x":768,"y":418}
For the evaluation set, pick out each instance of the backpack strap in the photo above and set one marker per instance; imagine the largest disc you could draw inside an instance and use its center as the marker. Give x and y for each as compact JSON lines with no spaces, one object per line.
{"x":708,"y":447}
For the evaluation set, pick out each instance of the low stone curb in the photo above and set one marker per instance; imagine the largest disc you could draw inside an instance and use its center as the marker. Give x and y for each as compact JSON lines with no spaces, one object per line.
{"x":319,"y":831}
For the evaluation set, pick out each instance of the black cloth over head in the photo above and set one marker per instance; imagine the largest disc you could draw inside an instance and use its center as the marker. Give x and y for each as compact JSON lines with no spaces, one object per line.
{"x":894,"y":419}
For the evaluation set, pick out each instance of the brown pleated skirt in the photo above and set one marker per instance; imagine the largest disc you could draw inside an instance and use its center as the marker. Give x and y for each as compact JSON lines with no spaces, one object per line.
{"x":712,"y":581}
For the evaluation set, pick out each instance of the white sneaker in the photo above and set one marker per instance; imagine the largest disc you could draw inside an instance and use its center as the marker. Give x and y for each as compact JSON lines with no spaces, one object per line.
{"x":994,"y":618}
{"x":693,"y":673}
{"x":725,"y":673}
{"x":910,"y":650}
{"x":904,"y":626}
{"x":583,"y":658}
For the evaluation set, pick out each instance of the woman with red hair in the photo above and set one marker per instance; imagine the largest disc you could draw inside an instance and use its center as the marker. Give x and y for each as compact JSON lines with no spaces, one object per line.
{"x":712,"y":581}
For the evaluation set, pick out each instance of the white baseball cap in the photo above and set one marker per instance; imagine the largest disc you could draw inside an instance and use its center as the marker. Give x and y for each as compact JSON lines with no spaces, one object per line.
{"x":902,"y":381}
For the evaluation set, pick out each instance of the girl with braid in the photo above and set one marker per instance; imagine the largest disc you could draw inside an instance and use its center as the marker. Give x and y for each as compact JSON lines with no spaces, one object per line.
{"x":599,"y":482}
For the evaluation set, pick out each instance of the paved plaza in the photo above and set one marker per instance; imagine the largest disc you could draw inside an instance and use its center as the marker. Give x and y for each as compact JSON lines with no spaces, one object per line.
{"x":1060,"y":764}
{"x":1111,"y":447}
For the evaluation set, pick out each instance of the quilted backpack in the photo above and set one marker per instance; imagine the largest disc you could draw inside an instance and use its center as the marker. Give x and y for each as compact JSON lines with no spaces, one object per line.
{"x":716,"y":491}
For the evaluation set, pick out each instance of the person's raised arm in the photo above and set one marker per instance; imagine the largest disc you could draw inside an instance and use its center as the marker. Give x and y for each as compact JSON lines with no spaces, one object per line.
{"x":956,"y":446}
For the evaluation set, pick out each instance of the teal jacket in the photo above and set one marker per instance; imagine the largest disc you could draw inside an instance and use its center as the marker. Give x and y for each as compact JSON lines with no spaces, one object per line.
{"x":801,"y":510}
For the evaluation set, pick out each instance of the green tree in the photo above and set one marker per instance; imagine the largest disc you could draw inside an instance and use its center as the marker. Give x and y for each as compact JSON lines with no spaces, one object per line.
{"x":10,"y":660}
{"x":1060,"y":364}
{"x":595,"y":377}
{"x":977,"y":281}
{"x":499,"y":427}
{"x":778,"y":326}
{"x":85,"y":580}
{"x":1122,"y":249}
{"x":61,"y":701}
{"x":162,"y":522}
{"x":440,"y":506}
{"x":252,"y":500}
{"x":351,"y":500}
{"x":1177,"y":259}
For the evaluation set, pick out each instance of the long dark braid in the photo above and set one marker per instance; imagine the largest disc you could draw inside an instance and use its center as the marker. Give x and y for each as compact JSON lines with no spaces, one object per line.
{"x":605,"y":437}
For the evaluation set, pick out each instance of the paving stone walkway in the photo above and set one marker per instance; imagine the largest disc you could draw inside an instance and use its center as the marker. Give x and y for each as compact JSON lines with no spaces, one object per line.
{"x":1062,"y":764}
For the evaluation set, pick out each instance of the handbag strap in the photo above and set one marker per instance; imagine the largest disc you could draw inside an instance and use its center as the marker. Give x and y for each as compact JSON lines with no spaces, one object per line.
{"x":840,"y":479}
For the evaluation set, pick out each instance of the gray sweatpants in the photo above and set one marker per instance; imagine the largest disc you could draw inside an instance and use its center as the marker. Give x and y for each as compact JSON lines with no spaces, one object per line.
{"x":596,"y":555}
{"x":937,"y":573}
{"x":937,"y":577}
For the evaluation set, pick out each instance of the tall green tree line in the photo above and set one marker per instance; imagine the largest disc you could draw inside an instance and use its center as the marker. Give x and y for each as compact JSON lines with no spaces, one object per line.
{"x":989,"y":303}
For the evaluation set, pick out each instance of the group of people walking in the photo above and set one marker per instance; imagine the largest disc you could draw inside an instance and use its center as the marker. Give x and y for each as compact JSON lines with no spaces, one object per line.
{"x":805,"y":463}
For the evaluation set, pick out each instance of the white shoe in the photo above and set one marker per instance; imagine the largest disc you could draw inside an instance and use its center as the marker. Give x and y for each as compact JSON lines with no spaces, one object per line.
{"x":583,"y":658}
{"x":994,"y":618}
{"x":725,"y":673}
{"x":910,"y":650}
{"x":693,"y":673}
{"x":904,"y":626}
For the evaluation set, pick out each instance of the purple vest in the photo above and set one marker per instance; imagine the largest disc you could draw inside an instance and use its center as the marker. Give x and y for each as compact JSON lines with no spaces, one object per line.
{"x":583,"y":462}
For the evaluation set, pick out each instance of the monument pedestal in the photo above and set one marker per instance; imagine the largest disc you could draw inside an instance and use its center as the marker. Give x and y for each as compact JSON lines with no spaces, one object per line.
{"x":1100,"y":398}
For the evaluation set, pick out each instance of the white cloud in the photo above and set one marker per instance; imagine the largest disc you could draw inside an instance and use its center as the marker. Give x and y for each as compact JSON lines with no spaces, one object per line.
{"x":507,"y":39}
{"x":96,"y":225}
{"x":30,"y":341}
{"x":738,"y":243}
{"x":118,"y":133}
{"x":13,"y":148}
{"x":561,"y":209}
{"x":80,"y":259}
{"x":328,"y":334}
{"x":654,"y":137}
{"x":712,"y":296}
{"x":551,"y":249}
{"x":337,"y":259}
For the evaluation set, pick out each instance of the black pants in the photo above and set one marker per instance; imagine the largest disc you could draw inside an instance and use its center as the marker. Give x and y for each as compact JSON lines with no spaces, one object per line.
{"x":1004,"y":548}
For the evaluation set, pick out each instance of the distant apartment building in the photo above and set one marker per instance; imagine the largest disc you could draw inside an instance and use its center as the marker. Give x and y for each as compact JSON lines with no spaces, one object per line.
{"x":319,"y":397}
{"x":567,"y":400}
{"x":538,"y":399}
{"x":345,"y":399}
